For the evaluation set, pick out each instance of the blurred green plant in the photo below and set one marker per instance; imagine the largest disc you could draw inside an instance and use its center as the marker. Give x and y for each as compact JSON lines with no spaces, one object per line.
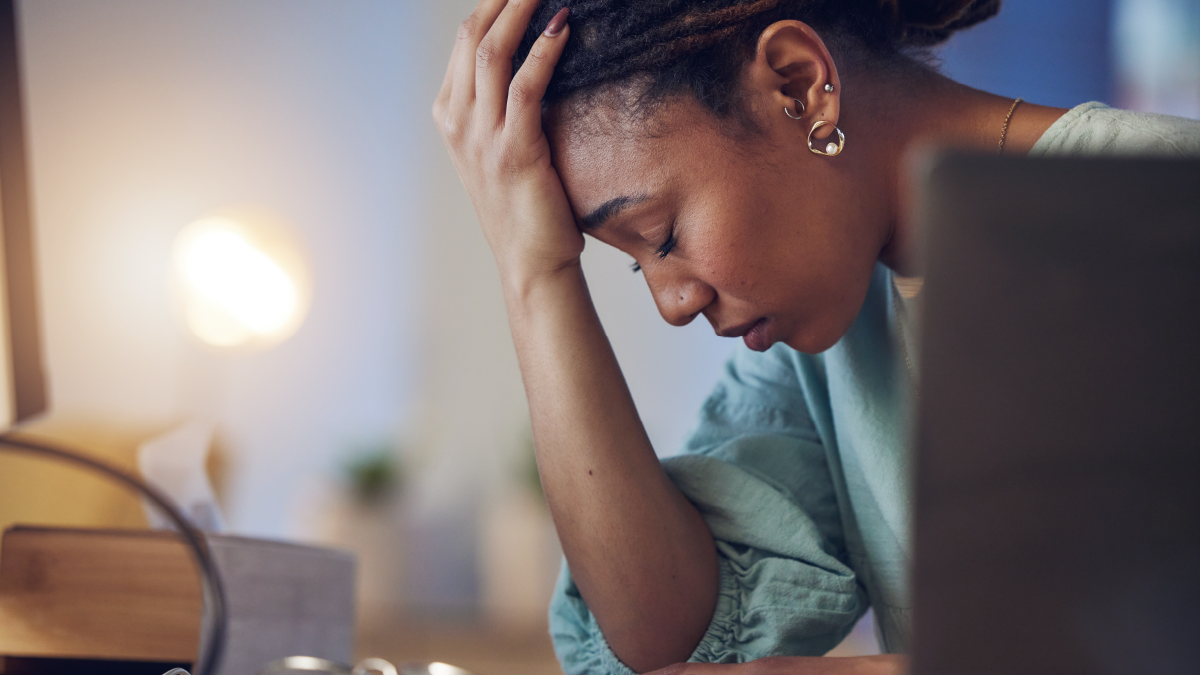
{"x":373,"y":473}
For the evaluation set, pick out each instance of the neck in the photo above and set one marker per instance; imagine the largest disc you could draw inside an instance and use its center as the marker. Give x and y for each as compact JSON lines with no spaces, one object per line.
{"x":918,"y":109}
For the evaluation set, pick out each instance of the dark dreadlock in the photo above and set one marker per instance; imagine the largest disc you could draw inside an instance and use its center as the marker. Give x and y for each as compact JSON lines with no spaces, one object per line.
{"x":699,"y":46}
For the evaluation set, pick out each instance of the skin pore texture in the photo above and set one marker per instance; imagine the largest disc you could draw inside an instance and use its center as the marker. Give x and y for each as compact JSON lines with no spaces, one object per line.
{"x":762,"y":229}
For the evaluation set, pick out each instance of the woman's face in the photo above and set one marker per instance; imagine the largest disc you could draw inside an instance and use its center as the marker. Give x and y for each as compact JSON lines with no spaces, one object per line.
{"x":767,"y":240}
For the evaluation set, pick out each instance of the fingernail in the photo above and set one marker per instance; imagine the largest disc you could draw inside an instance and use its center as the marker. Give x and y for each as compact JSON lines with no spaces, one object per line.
{"x":557,"y":23}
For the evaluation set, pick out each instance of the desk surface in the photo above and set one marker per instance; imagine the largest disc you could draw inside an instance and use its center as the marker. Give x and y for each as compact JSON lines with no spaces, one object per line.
{"x":479,"y":646}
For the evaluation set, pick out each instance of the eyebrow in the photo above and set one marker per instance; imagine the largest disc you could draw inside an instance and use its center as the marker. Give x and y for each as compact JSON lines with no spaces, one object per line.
{"x":608,"y":209}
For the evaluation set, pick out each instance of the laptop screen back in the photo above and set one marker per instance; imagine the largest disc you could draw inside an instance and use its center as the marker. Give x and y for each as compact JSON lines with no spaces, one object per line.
{"x":1058,"y":437}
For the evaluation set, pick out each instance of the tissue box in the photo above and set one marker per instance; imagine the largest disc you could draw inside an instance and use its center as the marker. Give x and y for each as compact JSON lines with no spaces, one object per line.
{"x":134,"y":596}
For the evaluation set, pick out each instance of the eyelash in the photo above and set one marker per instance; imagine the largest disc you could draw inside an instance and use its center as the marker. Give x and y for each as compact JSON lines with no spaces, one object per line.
{"x":668,"y":245}
{"x":662,"y":251}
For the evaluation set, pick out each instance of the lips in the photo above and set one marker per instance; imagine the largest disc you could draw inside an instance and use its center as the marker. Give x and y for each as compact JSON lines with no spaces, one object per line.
{"x":758,"y":338}
{"x":756,"y":334}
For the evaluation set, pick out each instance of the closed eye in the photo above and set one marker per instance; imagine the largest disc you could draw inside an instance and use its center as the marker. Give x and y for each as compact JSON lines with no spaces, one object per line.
{"x":668,"y":245}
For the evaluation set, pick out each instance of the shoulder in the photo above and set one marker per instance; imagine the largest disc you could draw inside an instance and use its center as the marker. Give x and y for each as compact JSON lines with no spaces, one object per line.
{"x":1096,"y":129}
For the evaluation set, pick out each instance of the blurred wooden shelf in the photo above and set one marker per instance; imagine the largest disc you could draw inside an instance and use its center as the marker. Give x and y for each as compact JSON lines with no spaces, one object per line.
{"x":108,"y":596}
{"x":98,"y":594}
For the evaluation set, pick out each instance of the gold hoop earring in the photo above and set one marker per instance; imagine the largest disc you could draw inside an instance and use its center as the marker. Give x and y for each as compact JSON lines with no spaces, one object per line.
{"x":831,"y":149}
{"x":799,"y":110}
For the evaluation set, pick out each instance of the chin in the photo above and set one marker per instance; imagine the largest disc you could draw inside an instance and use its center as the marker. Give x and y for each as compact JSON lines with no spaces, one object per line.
{"x":816,"y":339}
{"x":811,"y":346}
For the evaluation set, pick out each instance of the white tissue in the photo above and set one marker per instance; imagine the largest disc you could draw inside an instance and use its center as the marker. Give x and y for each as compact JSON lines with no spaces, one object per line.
{"x":175,"y":464}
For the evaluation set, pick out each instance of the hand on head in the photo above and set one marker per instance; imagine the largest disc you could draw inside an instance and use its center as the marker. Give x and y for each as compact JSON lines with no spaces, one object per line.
{"x":491,"y":122}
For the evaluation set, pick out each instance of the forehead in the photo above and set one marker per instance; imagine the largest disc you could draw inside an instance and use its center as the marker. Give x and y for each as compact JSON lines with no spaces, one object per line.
{"x":603,"y":154}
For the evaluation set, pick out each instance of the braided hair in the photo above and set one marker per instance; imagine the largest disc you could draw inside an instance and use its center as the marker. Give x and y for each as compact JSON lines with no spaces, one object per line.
{"x":671,"y":47}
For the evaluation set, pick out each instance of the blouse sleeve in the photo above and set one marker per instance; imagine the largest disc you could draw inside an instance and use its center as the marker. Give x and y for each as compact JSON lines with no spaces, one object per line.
{"x":757,"y":471}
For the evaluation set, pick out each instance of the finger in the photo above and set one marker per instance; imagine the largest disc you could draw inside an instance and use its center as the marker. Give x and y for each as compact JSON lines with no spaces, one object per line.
{"x":443,"y":95}
{"x":493,"y":58}
{"x":524,"y":111}
{"x":448,"y":78}
{"x":470,"y":34}
{"x":441,"y":103}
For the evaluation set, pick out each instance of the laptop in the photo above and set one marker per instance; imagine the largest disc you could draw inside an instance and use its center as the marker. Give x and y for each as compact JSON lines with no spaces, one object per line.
{"x":1057,"y":519}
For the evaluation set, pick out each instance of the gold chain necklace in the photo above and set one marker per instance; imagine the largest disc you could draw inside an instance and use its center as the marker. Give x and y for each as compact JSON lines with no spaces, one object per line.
{"x":898,"y":301}
{"x":1004,"y":131}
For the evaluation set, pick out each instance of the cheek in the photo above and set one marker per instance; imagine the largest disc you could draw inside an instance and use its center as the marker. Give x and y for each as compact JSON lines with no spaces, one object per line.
{"x":721,"y":250}
{"x":779,"y":264}
{"x":785,"y":249}
{"x":737,"y":265}
{"x":726,"y":235}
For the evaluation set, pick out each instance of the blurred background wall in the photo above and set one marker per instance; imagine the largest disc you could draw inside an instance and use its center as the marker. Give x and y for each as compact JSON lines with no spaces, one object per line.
{"x":144,"y":116}
{"x":1133,"y":54}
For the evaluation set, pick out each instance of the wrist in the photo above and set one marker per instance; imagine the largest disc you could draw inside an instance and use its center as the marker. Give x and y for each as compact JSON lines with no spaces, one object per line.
{"x":522,"y":283}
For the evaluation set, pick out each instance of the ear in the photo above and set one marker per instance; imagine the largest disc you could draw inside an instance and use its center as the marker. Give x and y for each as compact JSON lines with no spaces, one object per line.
{"x":792,"y":62}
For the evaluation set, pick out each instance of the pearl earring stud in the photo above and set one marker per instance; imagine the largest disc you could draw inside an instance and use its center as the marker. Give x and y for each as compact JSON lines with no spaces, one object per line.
{"x":829,"y":88}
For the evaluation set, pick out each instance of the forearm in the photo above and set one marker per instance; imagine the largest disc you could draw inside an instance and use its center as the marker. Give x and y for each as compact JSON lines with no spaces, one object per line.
{"x":642,"y":556}
{"x":639,"y":552}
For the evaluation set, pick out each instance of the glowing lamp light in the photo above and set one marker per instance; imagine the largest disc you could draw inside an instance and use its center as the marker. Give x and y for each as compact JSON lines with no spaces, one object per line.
{"x":242,"y":282}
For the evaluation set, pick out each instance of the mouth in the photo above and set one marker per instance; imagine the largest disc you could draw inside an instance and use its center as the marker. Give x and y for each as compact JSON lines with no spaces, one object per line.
{"x":755,"y":333}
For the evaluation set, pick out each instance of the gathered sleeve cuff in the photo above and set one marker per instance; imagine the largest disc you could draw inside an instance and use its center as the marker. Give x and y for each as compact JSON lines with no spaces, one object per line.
{"x":780,"y":591}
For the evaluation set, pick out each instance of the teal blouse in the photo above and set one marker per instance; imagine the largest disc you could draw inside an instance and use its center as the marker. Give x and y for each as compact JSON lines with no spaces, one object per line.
{"x":799,"y":465}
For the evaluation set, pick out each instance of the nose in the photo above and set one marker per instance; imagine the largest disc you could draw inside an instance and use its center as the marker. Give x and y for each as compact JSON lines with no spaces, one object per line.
{"x":680,"y":300}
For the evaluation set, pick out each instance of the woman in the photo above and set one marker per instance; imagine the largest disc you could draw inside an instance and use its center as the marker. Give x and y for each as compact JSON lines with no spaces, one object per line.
{"x":747,"y":154}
